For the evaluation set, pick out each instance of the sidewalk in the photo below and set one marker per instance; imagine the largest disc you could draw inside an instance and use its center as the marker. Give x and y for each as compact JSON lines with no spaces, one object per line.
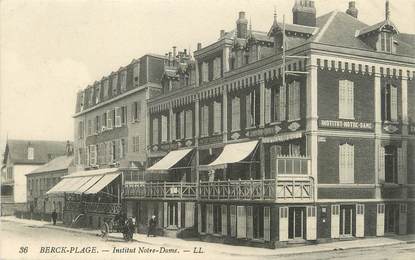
{"x":230,"y":249}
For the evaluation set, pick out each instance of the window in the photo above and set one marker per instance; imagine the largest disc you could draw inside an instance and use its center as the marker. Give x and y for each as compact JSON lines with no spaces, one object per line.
{"x":346,"y":99}
{"x":123,"y":148}
{"x":217,"y":63}
{"x":136,"y":111}
{"x":123,"y":82}
{"x":258,"y":222}
{"x":390,"y":103}
{"x":91,"y":96}
{"x":294,"y":149}
{"x":106,"y":87}
{"x":97,"y":93}
{"x":97,"y":124}
{"x":181,"y":119}
{"x":251,"y":100}
{"x":104,"y":121}
{"x":117,"y":118}
{"x":155,"y":130}
{"x":391,"y":164}
{"x":282,"y":103}
{"x":136,"y":143}
{"x":93,"y":154}
{"x":236,"y":115}
{"x":189,"y":124}
{"x":217,"y":219}
{"x":124,"y":115}
{"x":217,"y":117}
{"x":109,"y":119}
{"x":205,"y":72}
{"x":81,"y":130}
{"x":114,"y":85}
{"x":346,"y":163}
{"x":136,"y":74}
{"x":204,"y":120}
{"x":81,"y":101}
{"x":164,"y":128}
{"x":294,"y":101}
{"x":89,"y":127}
{"x":30,"y":153}
{"x":386,"y":41}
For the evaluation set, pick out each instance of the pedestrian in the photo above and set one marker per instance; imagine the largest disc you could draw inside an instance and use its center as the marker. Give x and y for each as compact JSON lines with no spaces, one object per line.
{"x":54,"y":216}
{"x":152,"y":226}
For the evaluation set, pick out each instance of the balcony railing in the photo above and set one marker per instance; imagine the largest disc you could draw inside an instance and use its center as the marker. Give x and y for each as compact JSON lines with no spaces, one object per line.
{"x":285,"y":188}
{"x":172,"y":190}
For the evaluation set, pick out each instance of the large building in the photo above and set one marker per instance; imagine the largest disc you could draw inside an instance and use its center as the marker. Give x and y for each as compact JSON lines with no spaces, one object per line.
{"x":305,"y":132}
{"x":22,"y":157}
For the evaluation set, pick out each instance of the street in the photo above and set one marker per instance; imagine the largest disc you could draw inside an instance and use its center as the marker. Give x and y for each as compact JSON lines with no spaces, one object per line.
{"x":35,"y":241}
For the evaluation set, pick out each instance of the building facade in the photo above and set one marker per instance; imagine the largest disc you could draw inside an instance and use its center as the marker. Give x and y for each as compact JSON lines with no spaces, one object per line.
{"x":22,"y":157}
{"x":42,"y":179}
{"x":273,"y":146}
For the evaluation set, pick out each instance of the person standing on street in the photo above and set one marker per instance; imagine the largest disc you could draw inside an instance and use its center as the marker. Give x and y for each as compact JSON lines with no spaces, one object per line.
{"x":54,"y":217}
{"x":152,"y":226}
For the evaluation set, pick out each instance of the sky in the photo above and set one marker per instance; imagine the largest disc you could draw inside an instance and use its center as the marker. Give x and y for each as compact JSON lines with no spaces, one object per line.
{"x":49,"y":49}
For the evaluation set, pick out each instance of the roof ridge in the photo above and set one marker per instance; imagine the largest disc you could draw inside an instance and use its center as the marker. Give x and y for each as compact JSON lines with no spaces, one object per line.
{"x":324,"y":28}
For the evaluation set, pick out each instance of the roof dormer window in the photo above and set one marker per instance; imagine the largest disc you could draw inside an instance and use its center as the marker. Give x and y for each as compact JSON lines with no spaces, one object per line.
{"x":386,"y":41}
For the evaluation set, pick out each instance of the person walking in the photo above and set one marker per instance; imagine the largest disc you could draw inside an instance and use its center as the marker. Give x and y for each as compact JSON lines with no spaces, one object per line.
{"x":152,"y":226}
{"x":54,"y":216}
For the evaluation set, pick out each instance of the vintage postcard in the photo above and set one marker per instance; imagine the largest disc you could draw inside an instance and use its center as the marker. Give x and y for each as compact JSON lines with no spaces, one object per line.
{"x":231,"y":129}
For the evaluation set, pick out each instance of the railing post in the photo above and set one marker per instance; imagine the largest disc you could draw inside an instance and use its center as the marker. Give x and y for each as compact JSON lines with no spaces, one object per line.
{"x":229,"y":189}
{"x":164,"y":190}
{"x":262,"y":188}
{"x":251,"y":189}
{"x":181,"y":190}
{"x":239,"y":189}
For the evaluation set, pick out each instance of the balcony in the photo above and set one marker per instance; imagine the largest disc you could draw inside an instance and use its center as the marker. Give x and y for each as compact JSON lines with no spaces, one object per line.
{"x":283,"y":189}
{"x":162,"y":190}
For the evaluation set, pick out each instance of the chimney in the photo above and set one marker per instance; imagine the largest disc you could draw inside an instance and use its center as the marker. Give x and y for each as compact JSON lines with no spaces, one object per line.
{"x":241,"y":26}
{"x":174,"y":52}
{"x":199,"y":46}
{"x":222,"y":33}
{"x":387,"y":11}
{"x":352,"y":10}
{"x":304,"y":13}
{"x":69,"y":149}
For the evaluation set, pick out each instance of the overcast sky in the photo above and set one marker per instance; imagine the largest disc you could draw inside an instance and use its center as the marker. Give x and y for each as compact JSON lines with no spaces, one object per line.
{"x":50,"y":49}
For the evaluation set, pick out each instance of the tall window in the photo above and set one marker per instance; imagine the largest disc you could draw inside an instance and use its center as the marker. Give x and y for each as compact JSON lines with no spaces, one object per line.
{"x":89,"y":127}
{"x":346,"y":99}
{"x":391,"y":164}
{"x":124,"y":115}
{"x":97,"y":124}
{"x":97,"y":93}
{"x":390,"y":103}
{"x":205,"y":72}
{"x":217,"y":117}
{"x":114,"y":85}
{"x":136,"y":74}
{"x":123,"y":81}
{"x":217,"y":219}
{"x":282,"y":103}
{"x":217,"y":63}
{"x":189,"y":124}
{"x":251,"y":109}
{"x":117,"y":118}
{"x":164,"y":128}
{"x":236,"y":114}
{"x":81,"y":130}
{"x":294,"y":101}
{"x":136,"y":111}
{"x":204,"y":120}
{"x":105,"y":89}
{"x":181,"y":124}
{"x":155,"y":130}
{"x":386,"y":41}
{"x":136,"y":143}
{"x":346,"y":163}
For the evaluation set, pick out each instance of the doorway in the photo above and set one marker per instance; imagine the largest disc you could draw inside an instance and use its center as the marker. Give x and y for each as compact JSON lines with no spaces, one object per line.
{"x":346,"y":220}
{"x":296,"y":226}
{"x":391,"y":219}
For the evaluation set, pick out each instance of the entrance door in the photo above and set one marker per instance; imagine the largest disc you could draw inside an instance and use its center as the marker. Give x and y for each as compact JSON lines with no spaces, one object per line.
{"x":346,"y":220}
{"x":296,"y":223}
{"x":172,"y":214}
{"x":391,"y":218}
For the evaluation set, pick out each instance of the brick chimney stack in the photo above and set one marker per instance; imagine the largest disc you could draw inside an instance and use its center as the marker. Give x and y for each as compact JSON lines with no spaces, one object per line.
{"x":304,"y":13}
{"x":352,"y":10}
{"x":242,"y":26}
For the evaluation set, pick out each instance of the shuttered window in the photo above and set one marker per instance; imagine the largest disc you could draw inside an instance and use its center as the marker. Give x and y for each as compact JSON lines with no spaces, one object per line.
{"x":217,"y":117}
{"x":346,"y":99}
{"x":294,"y":101}
{"x":155,"y":131}
{"x":189,"y":124}
{"x":282,"y":103}
{"x":204,"y":120}
{"x":117,"y":117}
{"x":236,"y":114}
{"x":346,"y":163}
{"x":164,"y":128}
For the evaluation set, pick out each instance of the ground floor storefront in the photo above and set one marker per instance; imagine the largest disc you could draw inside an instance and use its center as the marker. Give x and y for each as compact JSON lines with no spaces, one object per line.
{"x":272,"y":224}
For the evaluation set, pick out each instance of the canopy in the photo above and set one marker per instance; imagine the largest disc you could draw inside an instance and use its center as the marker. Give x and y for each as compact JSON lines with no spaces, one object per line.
{"x":84,"y":181}
{"x":169,"y":160}
{"x":233,"y":153}
{"x":104,"y":181}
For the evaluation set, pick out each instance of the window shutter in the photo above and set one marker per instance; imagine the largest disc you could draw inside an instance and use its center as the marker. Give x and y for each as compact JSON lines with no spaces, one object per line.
{"x":209,"y":221}
{"x":87,"y":155}
{"x":199,"y":218}
{"x":394,"y":103}
{"x":224,"y":212}
{"x":236,"y":115}
{"x":381,"y":164}
{"x":342,"y":164}
{"x":249,"y":222}
{"x":133,"y":110}
{"x":267,"y":224}
{"x":164,"y":128}
{"x":296,"y":90}
{"x":403,"y":211}
{"x":155,"y":131}
{"x":273,"y":161}
{"x":283,"y":224}
{"x":181,"y":115}
{"x":283,"y":103}
{"x":311,"y":226}
{"x":189,"y":213}
{"x":241,"y":222}
{"x":117,"y":117}
{"x":267,"y":105}
{"x":109,"y":120}
{"x":360,"y":220}
{"x":335,"y":221}
{"x":173,"y":126}
{"x":249,"y":119}
{"x":342,"y":98}
{"x":233,"y":220}
{"x":117,"y":149}
{"x":165,"y":209}
{"x":350,"y":99}
{"x":103,"y":121}
{"x":138,"y":117}
{"x":350,"y":169}
{"x":205,"y":72}
{"x":400,"y":166}
{"x":189,"y":124}
{"x":217,"y":124}
{"x":121,"y":145}
{"x":380,"y":220}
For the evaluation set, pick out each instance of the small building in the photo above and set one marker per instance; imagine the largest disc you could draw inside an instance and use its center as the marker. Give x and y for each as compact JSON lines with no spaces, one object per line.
{"x":20,"y":158}
{"x":40,"y":180}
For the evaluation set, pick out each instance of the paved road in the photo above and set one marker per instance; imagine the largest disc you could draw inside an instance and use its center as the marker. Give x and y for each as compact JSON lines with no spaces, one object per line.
{"x":17,"y":237}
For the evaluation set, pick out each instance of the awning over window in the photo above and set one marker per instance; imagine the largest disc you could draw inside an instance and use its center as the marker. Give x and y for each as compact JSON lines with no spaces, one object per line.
{"x":83,"y":181}
{"x":233,"y":153}
{"x":169,"y":160}
{"x":102,"y":183}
